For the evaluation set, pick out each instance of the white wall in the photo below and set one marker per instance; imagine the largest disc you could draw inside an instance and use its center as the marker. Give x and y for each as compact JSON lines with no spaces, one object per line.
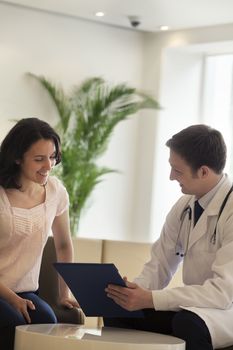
{"x":180,"y":96}
{"x":174,"y":73}
{"x":69,"y":50}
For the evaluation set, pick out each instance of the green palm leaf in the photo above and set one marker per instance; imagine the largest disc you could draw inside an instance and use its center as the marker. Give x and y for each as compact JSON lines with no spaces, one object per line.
{"x":87,"y":118}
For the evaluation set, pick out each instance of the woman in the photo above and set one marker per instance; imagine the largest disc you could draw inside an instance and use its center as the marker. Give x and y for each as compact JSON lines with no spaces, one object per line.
{"x":31,"y":205}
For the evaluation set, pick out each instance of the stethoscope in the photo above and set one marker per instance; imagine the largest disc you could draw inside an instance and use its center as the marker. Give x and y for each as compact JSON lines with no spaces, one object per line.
{"x":188,"y":211}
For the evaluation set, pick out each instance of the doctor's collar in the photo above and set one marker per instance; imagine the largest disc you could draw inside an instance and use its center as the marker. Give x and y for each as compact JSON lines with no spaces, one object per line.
{"x":206,"y":199}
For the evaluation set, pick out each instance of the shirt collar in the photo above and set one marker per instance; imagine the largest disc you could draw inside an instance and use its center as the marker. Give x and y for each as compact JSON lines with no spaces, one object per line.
{"x":205,"y":200}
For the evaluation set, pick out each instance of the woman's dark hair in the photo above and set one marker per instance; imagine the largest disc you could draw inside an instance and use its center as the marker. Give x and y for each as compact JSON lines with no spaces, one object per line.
{"x":19,"y":139}
{"x":200,"y":145}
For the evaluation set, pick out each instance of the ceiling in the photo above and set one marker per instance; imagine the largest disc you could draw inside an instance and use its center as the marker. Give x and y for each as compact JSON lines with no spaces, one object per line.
{"x":177,"y":14}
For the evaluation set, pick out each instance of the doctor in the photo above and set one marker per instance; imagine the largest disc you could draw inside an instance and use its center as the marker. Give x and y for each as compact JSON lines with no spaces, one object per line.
{"x":201,"y":311}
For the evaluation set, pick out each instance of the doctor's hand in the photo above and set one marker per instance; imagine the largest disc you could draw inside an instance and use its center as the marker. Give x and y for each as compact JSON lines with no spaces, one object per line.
{"x":132,"y":297}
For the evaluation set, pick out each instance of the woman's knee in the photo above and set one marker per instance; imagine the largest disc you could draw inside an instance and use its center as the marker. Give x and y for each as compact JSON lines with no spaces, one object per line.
{"x":43,"y":313}
{"x":9,"y":315}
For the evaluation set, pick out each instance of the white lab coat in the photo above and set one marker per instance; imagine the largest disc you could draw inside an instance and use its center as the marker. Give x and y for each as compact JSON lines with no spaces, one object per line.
{"x":207,"y":266}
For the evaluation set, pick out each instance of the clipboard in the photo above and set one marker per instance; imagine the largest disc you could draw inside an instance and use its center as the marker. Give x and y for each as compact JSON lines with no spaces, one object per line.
{"x":87,"y":282}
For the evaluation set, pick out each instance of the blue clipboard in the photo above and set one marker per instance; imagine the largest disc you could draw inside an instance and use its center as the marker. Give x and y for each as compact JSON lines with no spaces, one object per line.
{"x":87,"y":282}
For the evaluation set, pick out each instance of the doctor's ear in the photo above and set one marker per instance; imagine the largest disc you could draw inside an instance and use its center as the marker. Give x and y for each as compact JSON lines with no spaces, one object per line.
{"x":203,"y":171}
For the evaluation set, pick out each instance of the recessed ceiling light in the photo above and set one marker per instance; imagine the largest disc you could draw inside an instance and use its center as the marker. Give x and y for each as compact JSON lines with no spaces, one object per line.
{"x":163,"y":27}
{"x":99,"y":14}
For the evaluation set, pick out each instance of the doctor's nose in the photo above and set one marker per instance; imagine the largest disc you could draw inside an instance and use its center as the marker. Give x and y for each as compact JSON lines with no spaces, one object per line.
{"x":172,"y":176}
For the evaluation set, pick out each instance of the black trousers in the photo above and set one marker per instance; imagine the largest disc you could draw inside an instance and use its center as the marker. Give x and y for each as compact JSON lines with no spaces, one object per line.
{"x":182,"y":324}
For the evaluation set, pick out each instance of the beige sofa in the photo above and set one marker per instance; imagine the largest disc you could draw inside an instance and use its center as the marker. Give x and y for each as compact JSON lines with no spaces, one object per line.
{"x":128,"y":257}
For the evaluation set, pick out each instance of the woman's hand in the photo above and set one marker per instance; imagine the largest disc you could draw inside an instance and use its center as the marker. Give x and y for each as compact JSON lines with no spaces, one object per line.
{"x":22,"y":305}
{"x":68,"y":302}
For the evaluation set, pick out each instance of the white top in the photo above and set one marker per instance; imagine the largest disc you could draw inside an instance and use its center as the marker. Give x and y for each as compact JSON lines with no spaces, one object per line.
{"x":23,"y":235}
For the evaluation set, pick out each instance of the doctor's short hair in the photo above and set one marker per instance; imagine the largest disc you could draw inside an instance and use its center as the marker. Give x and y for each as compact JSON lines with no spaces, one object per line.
{"x":17,"y":142}
{"x":200,"y":145}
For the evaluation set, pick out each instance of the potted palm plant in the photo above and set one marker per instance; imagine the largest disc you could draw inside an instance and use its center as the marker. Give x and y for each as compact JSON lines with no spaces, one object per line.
{"x":87,"y":118}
